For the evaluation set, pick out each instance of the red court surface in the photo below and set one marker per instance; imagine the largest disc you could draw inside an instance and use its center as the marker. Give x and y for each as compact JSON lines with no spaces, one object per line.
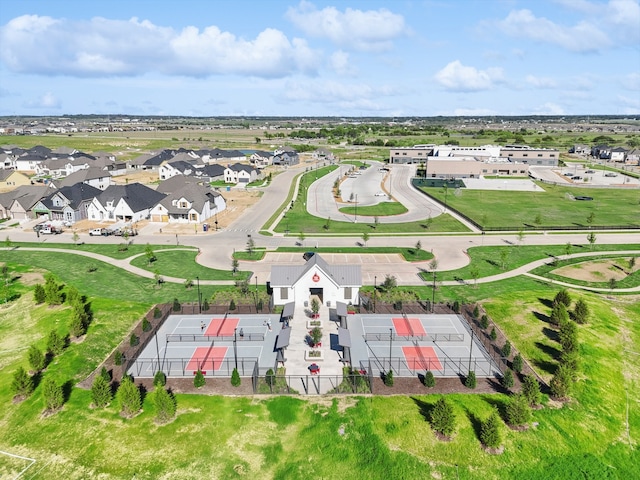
{"x":219,"y":327}
{"x":207,"y":359}
{"x":407,"y":327}
{"x":422,"y":358}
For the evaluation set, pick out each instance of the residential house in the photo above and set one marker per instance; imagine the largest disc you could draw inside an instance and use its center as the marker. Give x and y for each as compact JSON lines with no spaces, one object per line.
{"x":261,"y":159}
{"x":633,"y":157}
{"x":130,"y":203}
{"x":68,"y":204}
{"x":173,"y":184}
{"x":7,"y":161}
{"x":93,"y":176}
{"x":172,"y":168}
{"x":116,"y":169}
{"x":61,"y":167}
{"x":241,"y":174}
{"x":285,"y":156}
{"x":217,"y":155}
{"x":10,"y":179}
{"x":29,"y":162}
{"x":601,"y":151}
{"x":192,"y":203}
{"x":580,"y":148}
{"x":618,"y":154}
{"x":24,"y":199}
{"x":210,"y":173}
{"x":323,"y":154}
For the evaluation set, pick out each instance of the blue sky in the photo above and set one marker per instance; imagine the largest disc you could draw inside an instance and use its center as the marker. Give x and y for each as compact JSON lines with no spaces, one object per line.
{"x":320,"y":58}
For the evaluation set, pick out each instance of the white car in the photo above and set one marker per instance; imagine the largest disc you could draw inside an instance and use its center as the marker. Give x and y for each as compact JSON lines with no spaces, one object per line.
{"x":380,"y":194}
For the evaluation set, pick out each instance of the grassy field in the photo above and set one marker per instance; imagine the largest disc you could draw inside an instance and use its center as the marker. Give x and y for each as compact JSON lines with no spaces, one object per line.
{"x":372,"y":437}
{"x":616,"y":207}
{"x":382,"y":209}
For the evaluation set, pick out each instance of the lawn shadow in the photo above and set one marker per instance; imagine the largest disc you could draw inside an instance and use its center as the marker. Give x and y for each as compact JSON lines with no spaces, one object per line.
{"x":551,"y":334}
{"x":476,"y":423}
{"x":499,"y":403}
{"x":542,"y":317}
{"x":546,"y":302}
{"x":497,"y":387}
{"x":549,"y":350}
{"x":424,"y":408}
{"x":67,"y":388}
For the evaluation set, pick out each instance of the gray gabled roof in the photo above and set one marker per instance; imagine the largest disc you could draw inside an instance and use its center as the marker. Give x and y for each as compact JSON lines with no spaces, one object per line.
{"x":139,"y":197}
{"x":195,"y":194}
{"x":82,"y":175}
{"x":341,"y":275}
{"x":75,"y":194}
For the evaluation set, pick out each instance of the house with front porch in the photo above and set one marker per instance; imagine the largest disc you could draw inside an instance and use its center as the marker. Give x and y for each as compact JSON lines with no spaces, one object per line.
{"x":192,"y":203}
{"x":10,"y":179}
{"x":68,"y":204}
{"x":241,"y":174}
{"x":130,"y":203}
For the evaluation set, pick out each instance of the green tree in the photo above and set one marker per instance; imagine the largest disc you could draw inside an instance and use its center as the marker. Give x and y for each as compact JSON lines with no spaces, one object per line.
{"x":507,"y":380}
{"x":251,"y":246}
{"x":567,"y":249}
{"x":199,"y":380}
{"x":388,"y":378}
{"x":559,"y":314}
{"x":518,"y":363}
{"x":493,"y":335}
{"x":418,"y":246}
{"x":632,"y":264}
{"x":443,"y":418}
{"x":118,"y":358}
{"x":484,"y":322}
{"x":39,"y":295}
{"x":21,"y":383}
{"x":389,"y":283}
{"x":591,"y":238}
{"x":53,"y":395}
{"x":504,"y":254}
{"x":475,"y":273}
{"x":176,"y":305}
{"x":490,"y":434}
{"x":531,"y":390}
{"x":235,"y":378}
{"x":581,"y":311}
{"x":165,"y":404}
{"x":72,"y":296}
{"x":55,"y":343}
{"x":37,"y":360}
{"x":104,"y":374}
{"x":150,"y":254}
{"x":470,"y":381}
{"x":429,"y":379}
{"x":234,"y":265}
{"x":159,"y":379}
{"x":79,"y":320}
{"x":561,"y":383}
{"x":301,"y":238}
{"x":100,"y":392}
{"x":563,"y":297}
{"x":506,"y":349}
{"x":365,"y":238}
{"x":52,"y":290}
{"x":146,"y":325}
{"x":518,"y":411}
{"x":129,"y":397}
{"x":591,"y":218}
{"x":270,"y":377}
{"x":568,"y":336}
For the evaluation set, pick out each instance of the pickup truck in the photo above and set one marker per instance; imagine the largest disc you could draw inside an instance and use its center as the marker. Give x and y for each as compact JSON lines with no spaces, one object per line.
{"x":96,"y":232}
{"x":50,"y":230}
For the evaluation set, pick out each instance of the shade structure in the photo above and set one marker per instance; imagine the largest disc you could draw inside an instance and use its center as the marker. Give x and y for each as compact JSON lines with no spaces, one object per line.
{"x":344,"y":337}
{"x":283,"y":338}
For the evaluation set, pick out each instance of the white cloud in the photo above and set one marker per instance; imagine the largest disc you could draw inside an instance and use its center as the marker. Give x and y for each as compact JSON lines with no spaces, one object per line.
{"x":344,"y":95}
{"x":549,"y":108}
{"x":582,"y":37}
{"x":541,"y":82}
{"x":631,"y":81}
{"x":102,"y":47}
{"x":458,"y":77}
{"x":341,"y":63}
{"x":371,"y":30}
{"x":46,"y":101}
{"x":629,"y":103}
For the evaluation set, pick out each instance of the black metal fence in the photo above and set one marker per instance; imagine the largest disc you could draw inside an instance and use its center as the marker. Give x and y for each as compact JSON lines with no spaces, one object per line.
{"x":436,"y":337}
{"x":246,"y":337}
{"x":311,"y":384}
{"x":188,"y":367}
{"x":442,"y":367}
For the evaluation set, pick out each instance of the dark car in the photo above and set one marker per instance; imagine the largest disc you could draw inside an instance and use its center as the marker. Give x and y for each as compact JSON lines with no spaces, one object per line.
{"x":308,"y":255}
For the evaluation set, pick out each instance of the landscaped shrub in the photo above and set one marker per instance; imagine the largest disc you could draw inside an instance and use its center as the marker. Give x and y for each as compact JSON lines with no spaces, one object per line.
{"x":260,"y":305}
{"x":270,"y":377}
{"x":518,"y":363}
{"x":205,"y":305}
{"x":470,"y":381}
{"x":388,"y":378}
{"x":581,"y":311}
{"x":134,"y":340}
{"x":531,"y":390}
{"x":476,"y":311}
{"x":235,"y":378}
{"x":157,"y":313}
{"x":561,"y":382}
{"x":78,"y":325}
{"x":571,"y":360}
{"x":176,"y":305}
{"x":232,"y":304}
{"x":159,"y":379}
{"x":443,"y":419}
{"x":104,"y":374}
{"x":37,"y":360}
{"x":559,"y":314}
{"x":568,"y":336}
{"x":316,"y":335}
{"x":146,"y":325}
{"x":456,"y":306}
{"x":484,"y":322}
{"x":507,"y":379}
{"x":506,"y":349}
{"x":52,"y":292}
{"x":562,"y":297}
{"x":199,"y":380}
{"x":55,"y":343}
{"x":493,"y":335}
{"x":100,"y":392}
{"x":22,"y":383}
{"x":490,"y":431}
{"x":39,"y":295}
{"x":129,"y":397}
{"x":429,"y":379}
{"x":53,"y":395}
{"x":518,"y":411}
{"x":165,"y":404}
{"x":118,"y":358}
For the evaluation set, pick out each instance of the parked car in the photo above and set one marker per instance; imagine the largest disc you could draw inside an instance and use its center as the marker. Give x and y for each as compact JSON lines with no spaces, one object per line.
{"x":96,"y":232}
{"x":308,"y":255}
{"x":50,"y":230}
{"x":39,"y":227}
{"x":610,"y":174}
{"x":380,"y":194}
{"x":577,"y":178}
{"x":589,"y":171}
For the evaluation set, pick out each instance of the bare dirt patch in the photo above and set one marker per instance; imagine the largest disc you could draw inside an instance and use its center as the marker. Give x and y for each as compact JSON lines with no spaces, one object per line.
{"x":597,"y":270}
{"x":145,"y":177}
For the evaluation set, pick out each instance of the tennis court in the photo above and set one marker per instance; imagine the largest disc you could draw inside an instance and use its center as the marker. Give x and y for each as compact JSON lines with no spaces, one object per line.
{"x":408,"y":345}
{"x":214,"y":345}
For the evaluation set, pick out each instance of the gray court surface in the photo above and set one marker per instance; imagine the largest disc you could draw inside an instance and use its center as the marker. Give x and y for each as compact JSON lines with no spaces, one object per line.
{"x":182,"y":346}
{"x":378,"y":346}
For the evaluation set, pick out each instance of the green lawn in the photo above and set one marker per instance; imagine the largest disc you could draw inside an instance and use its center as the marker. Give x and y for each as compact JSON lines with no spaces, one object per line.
{"x":117,"y":251}
{"x":381,"y":209}
{"x":552,"y":208}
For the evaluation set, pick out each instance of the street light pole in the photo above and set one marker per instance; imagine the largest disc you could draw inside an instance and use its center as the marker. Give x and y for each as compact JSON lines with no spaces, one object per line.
{"x":390,"y":345}
{"x":235,"y":348}
{"x":433,"y":296}
{"x":375,"y":288}
{"x":355,"y":218}
{"x":199,"y":304}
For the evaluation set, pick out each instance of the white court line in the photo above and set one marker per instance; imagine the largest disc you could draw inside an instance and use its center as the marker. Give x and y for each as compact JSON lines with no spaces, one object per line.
{"x":32,"y":460}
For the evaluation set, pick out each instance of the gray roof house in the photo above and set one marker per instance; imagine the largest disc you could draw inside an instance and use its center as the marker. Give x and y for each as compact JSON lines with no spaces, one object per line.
{"x":69,"y":203}
{"x":94,"y":176}
{"x":129,"y":203}
{"x":192,"y":203}
{"x":241,"y":174}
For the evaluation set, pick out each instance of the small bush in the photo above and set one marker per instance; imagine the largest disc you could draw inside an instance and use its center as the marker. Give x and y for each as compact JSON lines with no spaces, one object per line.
{"x":100,"y":392}
{"x":235,"y":378}
{"x":581,"y":311}
{"x":561,"y":382}
{"x":531,"y":390}
{"x":443,"y":419}
{"x":118,"y":358}
{"x":205,"y":305}
{"x":507,"y":380}
{"x":562,"y":297}
{"x":470,"y":381}
{"x":55,"y":343}
{"x":388,"y":378}
{"x":429,"y":379}
{"x":506,"y":349}
{"x":456,"y":306}
{"x":199,"y":380}
{"x":490,"y":431}
{"x":270,"y":377}
{"x":159,"y":379}
{"x":476,"y":311}
{"x":37,"y":360}
{"x":129,"y":397}
{"x":518,"y":363}
{"x":176,"y":305}
{"x":53,"y":395}
{"x":134,"y":340}
{"x":232,"y":304}
{"x":157,"y":313}
{"x":22,"y":383}
{"x":518,"y":410}
{"x":493,"y":335}
{"x":39,"y":295}
{"x":165,"y":404}
{"x":260,"y":305}
{"x":484,"y":322}
{"x":146,"y":325}
{"x":104,"y":374}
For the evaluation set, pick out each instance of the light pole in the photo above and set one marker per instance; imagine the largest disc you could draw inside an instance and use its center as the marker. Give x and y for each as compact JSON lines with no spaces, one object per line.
{"x":199,"y":304}
{"x":256,"y":294}
{"x":390,"y":345}
{"x":433,"y":296}
{"x":355,"y":218}
{"x":235,"y":348}
{"x":375,"y":287}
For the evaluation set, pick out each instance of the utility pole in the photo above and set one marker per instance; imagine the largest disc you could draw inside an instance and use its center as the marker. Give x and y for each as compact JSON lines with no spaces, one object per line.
{"x":199,"y":304}
{"x":433,"y":296}
{"x":375,"y":288}
{"x":390,"y":345}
